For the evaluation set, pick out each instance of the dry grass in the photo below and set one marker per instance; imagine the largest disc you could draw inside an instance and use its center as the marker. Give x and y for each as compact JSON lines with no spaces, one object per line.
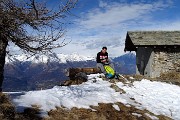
{"x":170,"y":76}
{"x":7,"y":111}
{"x":101,"y":112}
{"x":28,"y":114}
{"x":3,"y":99}
{"x":72,"y":82}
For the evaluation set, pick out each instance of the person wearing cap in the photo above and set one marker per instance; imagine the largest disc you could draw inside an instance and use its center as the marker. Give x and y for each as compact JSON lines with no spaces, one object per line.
{"x":102,"y":59}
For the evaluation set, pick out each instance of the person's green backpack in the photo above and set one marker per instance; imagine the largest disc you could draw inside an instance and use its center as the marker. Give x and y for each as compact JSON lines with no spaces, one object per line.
{"x":110,"y":71}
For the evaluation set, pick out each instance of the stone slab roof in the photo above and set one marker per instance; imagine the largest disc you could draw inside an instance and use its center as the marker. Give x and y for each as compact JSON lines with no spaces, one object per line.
{"x":155,"y":37}
{"x":151,"y":38}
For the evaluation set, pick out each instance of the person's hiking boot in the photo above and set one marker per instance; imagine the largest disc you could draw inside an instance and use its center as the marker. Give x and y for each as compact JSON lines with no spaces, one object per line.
{"x":117,"y":76}
{"x":106,"y":75}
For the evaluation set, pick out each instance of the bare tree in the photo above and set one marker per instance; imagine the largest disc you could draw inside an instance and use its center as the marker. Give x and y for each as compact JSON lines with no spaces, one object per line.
{"x":31,"y":26}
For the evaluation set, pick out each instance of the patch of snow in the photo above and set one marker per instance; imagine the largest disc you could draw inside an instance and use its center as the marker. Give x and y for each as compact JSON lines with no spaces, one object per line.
{"x":80,"y":96}
{"x":151,"y":116}
{"x":157,"y":97}
{"x":136,"y":114}
{"x":128,"y":105}
{"x":116,"y":107}
{"x":13,"y":92}
{"x":131,"y":78}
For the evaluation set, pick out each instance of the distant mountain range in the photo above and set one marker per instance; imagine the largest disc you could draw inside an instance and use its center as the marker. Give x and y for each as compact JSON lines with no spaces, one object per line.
{"x":125,"y":64}
{"x":59,"y":58}
{"x":43,"y":72}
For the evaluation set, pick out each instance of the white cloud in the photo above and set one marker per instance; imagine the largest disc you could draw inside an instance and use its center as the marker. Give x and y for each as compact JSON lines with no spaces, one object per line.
{"x":89,"y":45}
{"x":102,"y":3}
{"x":161,"y":25}
{"x":107,"y":25}
{"x":118,"y":13}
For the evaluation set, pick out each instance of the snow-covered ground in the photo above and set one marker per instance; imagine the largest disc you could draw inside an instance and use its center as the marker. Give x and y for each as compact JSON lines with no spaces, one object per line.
{"x":157,"y":97}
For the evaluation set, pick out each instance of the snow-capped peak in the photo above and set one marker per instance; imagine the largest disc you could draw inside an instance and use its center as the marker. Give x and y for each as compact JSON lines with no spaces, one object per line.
{"x":61,"y":58}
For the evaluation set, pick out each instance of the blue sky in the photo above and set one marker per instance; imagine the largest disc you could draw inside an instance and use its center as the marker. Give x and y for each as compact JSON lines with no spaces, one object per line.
{"x":100,"y":23}
{"x":106,"y":22}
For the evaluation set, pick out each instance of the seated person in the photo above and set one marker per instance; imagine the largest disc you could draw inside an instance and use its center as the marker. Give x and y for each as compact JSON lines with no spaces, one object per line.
{"x":102,"y":59}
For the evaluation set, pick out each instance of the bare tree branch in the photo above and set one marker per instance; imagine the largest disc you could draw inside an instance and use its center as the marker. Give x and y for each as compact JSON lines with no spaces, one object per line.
{"x":47,"y":24}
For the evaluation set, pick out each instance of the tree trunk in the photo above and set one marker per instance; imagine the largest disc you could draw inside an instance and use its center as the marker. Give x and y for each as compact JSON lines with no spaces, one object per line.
{"x":3,"y":45}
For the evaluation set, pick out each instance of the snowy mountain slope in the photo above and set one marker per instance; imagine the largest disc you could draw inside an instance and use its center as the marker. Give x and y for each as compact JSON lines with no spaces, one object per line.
{"x":125,"y":64}
{"x":126,"y":58}
{"x":60,"y":58}
{"x":157,"y":97}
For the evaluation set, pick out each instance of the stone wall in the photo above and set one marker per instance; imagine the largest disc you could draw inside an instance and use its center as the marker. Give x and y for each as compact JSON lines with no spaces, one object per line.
{"x":165,"y":61}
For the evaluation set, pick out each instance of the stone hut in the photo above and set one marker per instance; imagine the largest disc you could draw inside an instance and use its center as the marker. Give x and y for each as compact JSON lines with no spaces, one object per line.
{"x":156,"y":51}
